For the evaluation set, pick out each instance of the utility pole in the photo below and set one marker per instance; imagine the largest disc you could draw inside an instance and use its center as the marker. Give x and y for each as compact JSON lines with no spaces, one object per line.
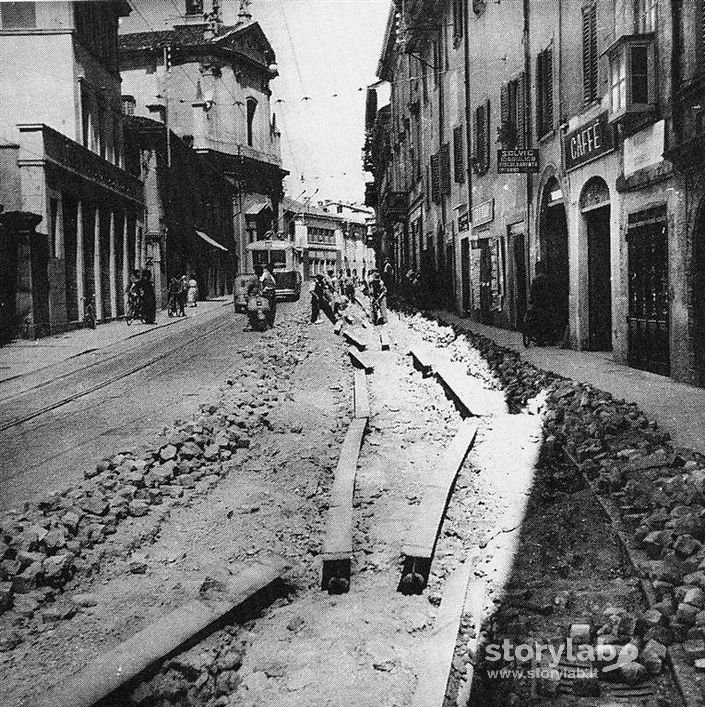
{"x":167,"y":71}
{"x":529,"y":130}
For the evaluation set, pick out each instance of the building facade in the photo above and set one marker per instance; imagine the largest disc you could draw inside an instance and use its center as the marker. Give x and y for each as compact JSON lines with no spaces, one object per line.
{"x":209,"y":82}
{"x":566,"y":132}
{"x":62,"y":166}
{"x":189,"y":210}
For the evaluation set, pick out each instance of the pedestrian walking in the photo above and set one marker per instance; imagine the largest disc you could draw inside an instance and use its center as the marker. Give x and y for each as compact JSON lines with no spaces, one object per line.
{"x":174,"y":294}
{"x":149,"y":299}
{"x":183,"y":295}
{"x":269,"y":290}
{"x":388,"y":275}
{"x":192,"y":294}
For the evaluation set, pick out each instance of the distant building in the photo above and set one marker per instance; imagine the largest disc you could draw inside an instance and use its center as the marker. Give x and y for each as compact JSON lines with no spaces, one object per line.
{"x":189,"y":209}
{"x":62,"y":167}
{"x":209,"y":82}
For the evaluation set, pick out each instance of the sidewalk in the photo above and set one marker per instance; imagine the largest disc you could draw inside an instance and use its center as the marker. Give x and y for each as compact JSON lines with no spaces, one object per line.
{"x":24,"y":356}
{"x":677,"y":407}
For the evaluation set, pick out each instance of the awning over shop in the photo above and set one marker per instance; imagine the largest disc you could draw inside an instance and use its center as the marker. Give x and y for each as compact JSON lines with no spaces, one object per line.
{"x":211,"y":242}
{"x":254,"y":204}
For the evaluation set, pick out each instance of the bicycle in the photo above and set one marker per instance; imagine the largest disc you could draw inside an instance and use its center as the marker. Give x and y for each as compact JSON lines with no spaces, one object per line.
{"x":89,"y":319}
{"x":134,"y":310}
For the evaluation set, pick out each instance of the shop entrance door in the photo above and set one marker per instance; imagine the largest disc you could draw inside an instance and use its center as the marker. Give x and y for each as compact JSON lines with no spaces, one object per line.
{"x":698,"y":323}
{"x":648,"y":317}
{"x":485,"y":281}
{"x":599,"y":279}
{"x":554,"y":249}
{"x":465,"y":272}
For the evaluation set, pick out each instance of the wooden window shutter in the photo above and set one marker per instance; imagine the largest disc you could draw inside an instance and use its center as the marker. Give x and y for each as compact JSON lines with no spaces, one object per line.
{"x":548,"y":90}
{"x":539,"y":94}
{"x":487,"y":135}
{"x":458,"y":161}
{"x":590,"y":58}
{"x":445,"y":168}
{"x":522,"y":124}
{"x":505,"y":115}
{"x":435,"y":179}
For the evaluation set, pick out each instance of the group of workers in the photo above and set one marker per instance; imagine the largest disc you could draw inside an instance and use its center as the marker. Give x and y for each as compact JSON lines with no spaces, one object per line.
{"x":330,"y":293}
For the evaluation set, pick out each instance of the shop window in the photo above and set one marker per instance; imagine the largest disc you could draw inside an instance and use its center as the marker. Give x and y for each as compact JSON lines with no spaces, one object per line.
{"x":251,"y":109}
{"x":194,"y":7}
{"x":481,"y":151}
{"x":544,"y":92}
{"x":18,"y":15}
{"x":632,"y":75}
{"x":645,"y":13}
{"x":458,"y":155}
{"x":590,"y":58}
{"x":512,"y":131}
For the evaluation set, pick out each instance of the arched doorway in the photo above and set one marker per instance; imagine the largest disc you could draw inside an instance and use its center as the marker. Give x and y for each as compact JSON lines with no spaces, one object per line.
{"x":553,"y":229}
{"x":698,"y":310}
{"x":595,"y":207}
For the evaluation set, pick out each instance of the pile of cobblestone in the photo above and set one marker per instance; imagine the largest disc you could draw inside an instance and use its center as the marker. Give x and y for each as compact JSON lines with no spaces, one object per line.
{"x":59,"y":538}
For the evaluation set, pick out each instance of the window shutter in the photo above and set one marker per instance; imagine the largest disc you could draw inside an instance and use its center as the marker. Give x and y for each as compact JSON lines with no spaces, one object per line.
{"x":487,"y":135}
{"x":539,"y":94}
{"x":504,"y":104}
{"x":458,"y":161}
{"x":435,"y":179}
{"x":445,"y":168}
{"x":521,"y":126}
{"x":548,"y":90}
{"x":590,"y":58}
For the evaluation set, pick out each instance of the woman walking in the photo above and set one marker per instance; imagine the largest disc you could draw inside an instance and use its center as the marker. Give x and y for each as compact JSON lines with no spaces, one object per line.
{"x":149,"y":299}
{"x":192,"y":294}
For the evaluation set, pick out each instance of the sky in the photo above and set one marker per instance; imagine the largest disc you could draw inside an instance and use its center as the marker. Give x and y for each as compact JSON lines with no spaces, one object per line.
{"x":327,"y":50}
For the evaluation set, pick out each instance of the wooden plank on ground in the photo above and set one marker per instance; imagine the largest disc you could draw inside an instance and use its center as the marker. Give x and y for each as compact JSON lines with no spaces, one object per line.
{"x":338,"y":326}
{"x":384,"y":340}
{"x":420,"y":543}
{"x":360,"y":360}
{"x":353,"y":338}
{"x":440,"y":644}
{"x":362,"y":399}
{"x":160,"y":639}
{"x":338,"y":544}
{"x":452,"y":383}
{"x":421,"y":360}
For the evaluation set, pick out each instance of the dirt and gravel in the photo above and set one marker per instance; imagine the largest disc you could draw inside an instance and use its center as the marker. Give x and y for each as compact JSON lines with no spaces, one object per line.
{"x":250,"y":474}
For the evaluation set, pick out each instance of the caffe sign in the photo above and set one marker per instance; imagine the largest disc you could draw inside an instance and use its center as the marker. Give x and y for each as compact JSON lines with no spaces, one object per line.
{"x":588,"y":142}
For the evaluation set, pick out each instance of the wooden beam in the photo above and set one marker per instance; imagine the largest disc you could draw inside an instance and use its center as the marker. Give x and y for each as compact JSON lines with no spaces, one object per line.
{"x":452,"y":383}
{"x":360,"y":360}
{"x":421,"y":361}
{"x":420,"y":543}
{"x":352,"y":338}
{"x":362,"y":399}
{"x":338,"y":543}
{"x":159,"y":640}
{"x":439,"y":647}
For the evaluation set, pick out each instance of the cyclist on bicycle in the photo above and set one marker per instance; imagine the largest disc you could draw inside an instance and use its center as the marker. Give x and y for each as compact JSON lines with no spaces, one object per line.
{"x":134,"y":294}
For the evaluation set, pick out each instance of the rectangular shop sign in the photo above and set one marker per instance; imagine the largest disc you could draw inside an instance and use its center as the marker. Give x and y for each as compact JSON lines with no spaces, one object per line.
{"x":483,"y":213}
{"x":517,"y":161}
{"x":588,"y":142}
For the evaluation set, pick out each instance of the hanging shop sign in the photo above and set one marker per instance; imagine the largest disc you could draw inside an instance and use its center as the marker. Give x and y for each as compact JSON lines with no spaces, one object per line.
{"x":483,"y":213}
{"x":517,"y":161}
{"x":645,"y":148}
{"x":588,"y":142}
